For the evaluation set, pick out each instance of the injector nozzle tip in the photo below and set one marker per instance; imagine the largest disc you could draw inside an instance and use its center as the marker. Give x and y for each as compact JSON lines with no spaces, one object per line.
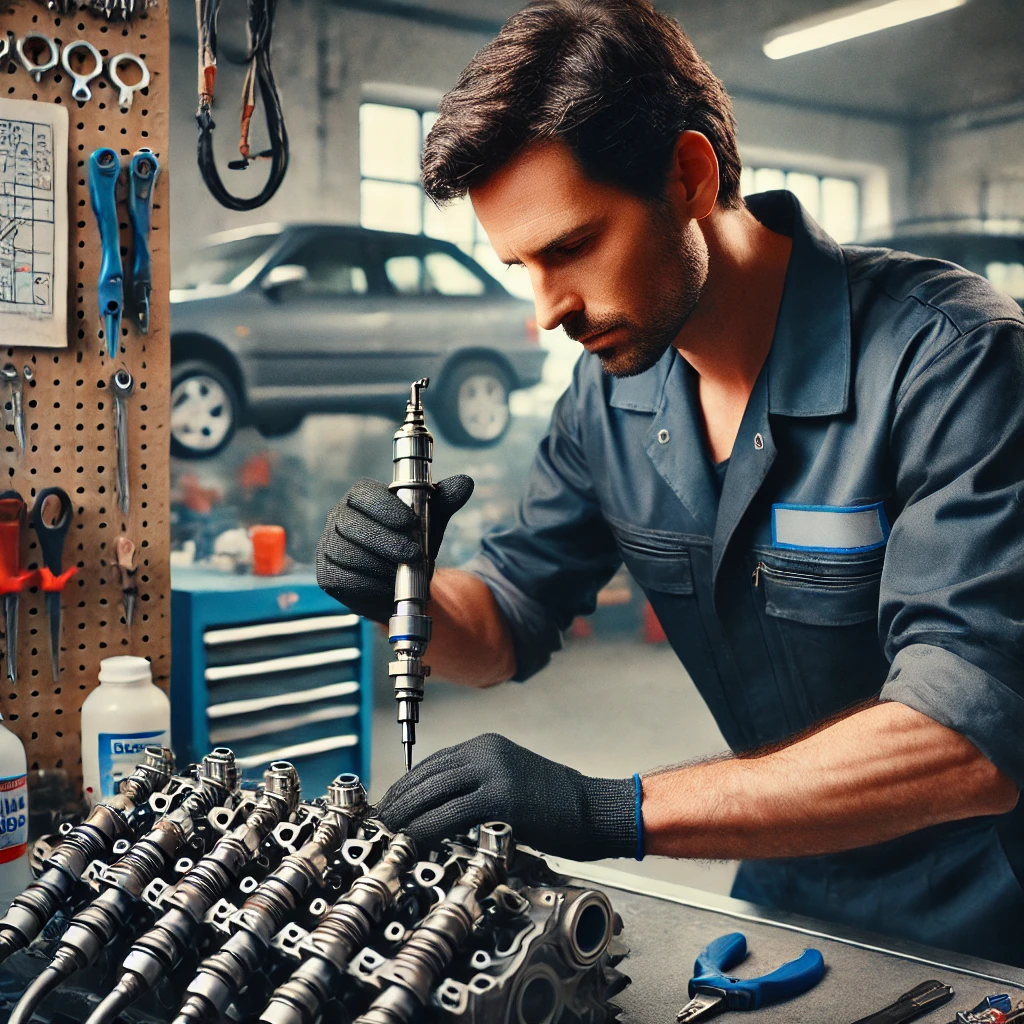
{"x":408,"y":756}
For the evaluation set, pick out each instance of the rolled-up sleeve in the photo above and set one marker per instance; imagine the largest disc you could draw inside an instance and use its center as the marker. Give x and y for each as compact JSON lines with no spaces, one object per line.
{"x":951,"y":610}
{"x":548,"y":567}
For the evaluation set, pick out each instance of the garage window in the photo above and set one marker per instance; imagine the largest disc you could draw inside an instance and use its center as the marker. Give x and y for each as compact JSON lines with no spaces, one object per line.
{"x":833,"y":202}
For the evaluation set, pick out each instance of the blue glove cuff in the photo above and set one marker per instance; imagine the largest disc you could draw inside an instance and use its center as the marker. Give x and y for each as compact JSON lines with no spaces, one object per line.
{"x":639,"y":817}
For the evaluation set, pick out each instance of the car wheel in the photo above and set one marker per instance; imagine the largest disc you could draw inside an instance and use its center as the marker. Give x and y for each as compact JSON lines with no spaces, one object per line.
{"x":279,"y":426}
{"x":471,"y":405}
{"x":205,"y":410}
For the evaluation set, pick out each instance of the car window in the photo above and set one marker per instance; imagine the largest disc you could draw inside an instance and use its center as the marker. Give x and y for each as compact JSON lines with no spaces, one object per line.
{"x":222,"y":263}
{"x":335,"y":265}
{"x":434,"y":273}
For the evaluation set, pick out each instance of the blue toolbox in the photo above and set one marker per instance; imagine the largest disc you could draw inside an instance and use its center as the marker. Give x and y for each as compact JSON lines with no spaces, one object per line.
{"x":272,"y":668}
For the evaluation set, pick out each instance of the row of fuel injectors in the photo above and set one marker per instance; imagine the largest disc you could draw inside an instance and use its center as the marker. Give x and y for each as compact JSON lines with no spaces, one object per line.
{"x":189,"y":897}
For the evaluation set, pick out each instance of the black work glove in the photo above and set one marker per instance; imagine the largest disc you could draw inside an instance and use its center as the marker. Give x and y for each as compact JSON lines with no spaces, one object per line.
{"x":369,"y":533}
{"x":550,"y":807}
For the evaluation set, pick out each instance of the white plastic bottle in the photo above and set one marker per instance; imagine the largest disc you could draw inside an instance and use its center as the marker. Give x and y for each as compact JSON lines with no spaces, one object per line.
{"x":14,"y":870}
{"x":120,"y":718}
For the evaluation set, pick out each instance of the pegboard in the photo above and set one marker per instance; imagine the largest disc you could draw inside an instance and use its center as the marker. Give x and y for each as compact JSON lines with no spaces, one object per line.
{"x":69,"y":413}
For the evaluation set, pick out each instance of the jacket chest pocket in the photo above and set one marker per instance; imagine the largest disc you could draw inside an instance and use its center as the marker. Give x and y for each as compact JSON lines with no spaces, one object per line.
{"x":665,"y":569}
{"x":818,"y":594}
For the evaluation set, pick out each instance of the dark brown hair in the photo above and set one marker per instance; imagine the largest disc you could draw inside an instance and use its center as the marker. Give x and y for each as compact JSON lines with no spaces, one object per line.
{"x":615,"y":80}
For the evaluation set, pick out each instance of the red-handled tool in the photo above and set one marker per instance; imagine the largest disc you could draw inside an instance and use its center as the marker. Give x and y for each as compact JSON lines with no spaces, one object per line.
{"x":13,"y":579}
{"x":51,"y":518}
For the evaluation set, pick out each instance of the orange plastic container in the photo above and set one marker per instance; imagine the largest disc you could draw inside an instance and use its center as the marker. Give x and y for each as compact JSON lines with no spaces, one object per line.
{"x":268,"y":550}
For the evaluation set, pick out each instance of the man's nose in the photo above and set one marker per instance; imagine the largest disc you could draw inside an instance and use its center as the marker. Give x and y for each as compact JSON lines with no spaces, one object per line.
{"x":553,"y":303}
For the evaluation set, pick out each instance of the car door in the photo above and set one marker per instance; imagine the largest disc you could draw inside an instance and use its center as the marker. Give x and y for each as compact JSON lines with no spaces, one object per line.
{"x":317,"y":336}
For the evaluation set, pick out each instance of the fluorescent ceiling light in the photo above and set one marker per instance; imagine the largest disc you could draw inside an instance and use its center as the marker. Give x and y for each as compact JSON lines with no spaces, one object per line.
{"x":849,"y":22}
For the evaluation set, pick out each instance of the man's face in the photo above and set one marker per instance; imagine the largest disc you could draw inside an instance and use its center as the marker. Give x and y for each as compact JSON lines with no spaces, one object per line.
{"x":618,"y":273}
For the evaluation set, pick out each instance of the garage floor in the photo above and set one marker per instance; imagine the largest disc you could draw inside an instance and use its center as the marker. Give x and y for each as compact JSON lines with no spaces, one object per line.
{"x":608,"y":708}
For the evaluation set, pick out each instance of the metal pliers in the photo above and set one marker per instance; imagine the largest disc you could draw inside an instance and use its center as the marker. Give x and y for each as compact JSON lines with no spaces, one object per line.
{"x":104,"y":170}
{"x":712,"y":991}
{"x":142,"y":175}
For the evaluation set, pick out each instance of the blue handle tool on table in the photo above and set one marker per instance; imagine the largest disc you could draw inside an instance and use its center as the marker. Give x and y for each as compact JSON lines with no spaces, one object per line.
{"x":51,"y":518}
{"x":712,"y":991}
{"x":104,"y":168}
{"x":142,"y":175}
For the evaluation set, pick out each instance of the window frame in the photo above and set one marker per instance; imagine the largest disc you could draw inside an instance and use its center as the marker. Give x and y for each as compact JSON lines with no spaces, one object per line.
{"x":297,"y":239}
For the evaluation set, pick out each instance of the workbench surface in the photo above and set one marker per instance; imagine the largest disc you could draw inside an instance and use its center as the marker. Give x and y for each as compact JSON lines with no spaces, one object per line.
{"x":667,"y":925}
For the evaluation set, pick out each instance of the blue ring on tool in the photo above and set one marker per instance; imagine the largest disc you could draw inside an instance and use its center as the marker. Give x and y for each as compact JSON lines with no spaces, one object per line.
{"x":639,"y":817}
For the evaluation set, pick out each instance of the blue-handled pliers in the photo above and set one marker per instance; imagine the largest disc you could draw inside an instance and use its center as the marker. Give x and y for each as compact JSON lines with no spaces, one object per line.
{"x":712,"y":991}
{"x":104,"y":169}
{"x":142,"y":175}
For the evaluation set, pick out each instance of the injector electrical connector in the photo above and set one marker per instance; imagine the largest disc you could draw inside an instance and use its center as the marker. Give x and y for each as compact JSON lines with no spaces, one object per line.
{"x":160,"y":949}
{"x":409,"y":626}
{"x":224,"y":975}
{"x":345,"y":929}
{"x":119,"y":817}
{"x":420,"y":964}
{"x":123,"y":882}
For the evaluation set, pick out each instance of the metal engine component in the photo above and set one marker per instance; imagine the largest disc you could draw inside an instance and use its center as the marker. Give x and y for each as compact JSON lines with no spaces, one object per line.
{"x":330,"y":947}
{"x":409,"y":625}
{"x":161,"y":948}
{"x":224,"y":975}
{"x":123,"y":881}
{"x":419,"y":966}
{"x":118,"y":817}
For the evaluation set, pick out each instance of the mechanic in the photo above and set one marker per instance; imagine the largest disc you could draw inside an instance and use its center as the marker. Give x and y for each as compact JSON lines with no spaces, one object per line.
{"x":811,"y":459}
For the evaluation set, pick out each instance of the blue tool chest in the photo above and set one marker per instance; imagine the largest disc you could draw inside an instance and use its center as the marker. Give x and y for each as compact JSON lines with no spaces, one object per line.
{"x":272,"y":668}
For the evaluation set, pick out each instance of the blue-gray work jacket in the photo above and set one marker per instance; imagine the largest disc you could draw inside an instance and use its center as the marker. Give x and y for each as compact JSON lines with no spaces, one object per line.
{"x":869,"y":539}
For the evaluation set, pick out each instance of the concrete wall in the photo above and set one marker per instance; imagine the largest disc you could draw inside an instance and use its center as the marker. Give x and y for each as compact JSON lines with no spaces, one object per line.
{"x":325,"y":57}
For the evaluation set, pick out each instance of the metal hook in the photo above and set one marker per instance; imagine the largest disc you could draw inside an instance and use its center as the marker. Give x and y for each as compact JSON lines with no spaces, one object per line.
{"x":37,"y":70}
{"x":127,"y":92}
{"x":80,"y":91}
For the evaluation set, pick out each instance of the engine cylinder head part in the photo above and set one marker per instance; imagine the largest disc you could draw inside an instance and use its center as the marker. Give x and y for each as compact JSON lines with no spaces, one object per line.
{"x":587,"y":927}
{"x":219,"y":767}
{"x":346,"y":793}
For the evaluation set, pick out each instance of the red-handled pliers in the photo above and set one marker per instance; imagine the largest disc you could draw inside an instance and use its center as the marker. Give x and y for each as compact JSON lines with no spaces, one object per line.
{"x":13,"y":578}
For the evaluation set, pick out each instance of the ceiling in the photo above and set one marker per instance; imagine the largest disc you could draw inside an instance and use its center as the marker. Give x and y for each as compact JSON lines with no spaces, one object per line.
{"x":969,"y":58}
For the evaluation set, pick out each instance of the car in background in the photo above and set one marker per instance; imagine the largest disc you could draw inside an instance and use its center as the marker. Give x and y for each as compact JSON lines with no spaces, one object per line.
{"x":999,"y":257}
{"x":272,"y":323}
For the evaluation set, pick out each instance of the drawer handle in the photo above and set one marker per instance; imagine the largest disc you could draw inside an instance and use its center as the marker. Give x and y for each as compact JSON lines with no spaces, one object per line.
{"x":280,"y":700}
{"x":228,"y":734}
{"x":289,"y":664}
{"x":284,"y":627}
{"x":298,"y":750}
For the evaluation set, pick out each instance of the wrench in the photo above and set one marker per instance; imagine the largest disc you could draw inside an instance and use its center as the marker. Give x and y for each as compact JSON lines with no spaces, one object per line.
{"x":37,"y":70}
{"x":12,"y":379}
{"x":122,"y":385}
{"x":80,"y":90}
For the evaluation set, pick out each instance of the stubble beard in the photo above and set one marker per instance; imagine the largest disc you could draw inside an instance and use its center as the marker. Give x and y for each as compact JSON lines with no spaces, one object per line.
{"x":683,"y":262}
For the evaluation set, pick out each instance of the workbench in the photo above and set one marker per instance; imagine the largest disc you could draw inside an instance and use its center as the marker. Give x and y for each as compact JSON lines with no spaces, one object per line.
{"x":667,"y":925}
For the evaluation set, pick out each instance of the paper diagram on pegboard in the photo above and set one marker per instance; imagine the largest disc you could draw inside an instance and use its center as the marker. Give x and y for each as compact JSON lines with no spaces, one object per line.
{"x":33,"y":224}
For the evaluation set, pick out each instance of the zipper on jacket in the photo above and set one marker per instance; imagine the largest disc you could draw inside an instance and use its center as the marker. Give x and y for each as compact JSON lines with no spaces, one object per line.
{"x":802,"y":577}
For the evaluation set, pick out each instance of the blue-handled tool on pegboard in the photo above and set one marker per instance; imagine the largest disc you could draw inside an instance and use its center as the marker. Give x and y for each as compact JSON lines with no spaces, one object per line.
{"x":142,"y":175}
{"x":104,"y":168}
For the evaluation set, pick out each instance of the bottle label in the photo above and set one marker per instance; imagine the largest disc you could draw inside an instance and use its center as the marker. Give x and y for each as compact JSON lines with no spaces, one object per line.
{"x":120,"y":753}
{"x":13,"y":817}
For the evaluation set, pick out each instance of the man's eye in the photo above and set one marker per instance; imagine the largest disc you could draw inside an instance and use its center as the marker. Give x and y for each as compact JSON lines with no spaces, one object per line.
{"x":571,"y":250}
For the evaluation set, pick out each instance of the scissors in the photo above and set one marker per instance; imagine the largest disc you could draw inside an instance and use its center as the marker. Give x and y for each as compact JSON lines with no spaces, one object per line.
{"x":712,"y":991}
{"x":51,"y":518}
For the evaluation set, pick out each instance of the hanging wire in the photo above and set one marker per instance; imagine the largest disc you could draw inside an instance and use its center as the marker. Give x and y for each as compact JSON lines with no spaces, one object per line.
{"x":259,"y":75}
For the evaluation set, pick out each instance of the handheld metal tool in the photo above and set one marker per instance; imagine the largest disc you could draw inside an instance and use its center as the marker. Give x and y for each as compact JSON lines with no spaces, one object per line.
{"x":13,"y":579}
{"x":51,"y":518}
{"x":121,"y":387}
{"x":10,"y":376}
{"x":128,"y":572}
{"x":37,"y":70}
{"x":921,"y":999}
{"x":712,"y":991}
{"x":80,"y":90}
{"x":995,"y":1009}
{"x":142,"y":175}
{"x":104,"y":169}
{"x":409,"y":626}
{"x":126,"y":93}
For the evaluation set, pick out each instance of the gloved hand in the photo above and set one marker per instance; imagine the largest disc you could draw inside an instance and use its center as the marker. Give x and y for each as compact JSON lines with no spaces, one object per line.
{"x":549,"y":806}
{"x":369,"y":533}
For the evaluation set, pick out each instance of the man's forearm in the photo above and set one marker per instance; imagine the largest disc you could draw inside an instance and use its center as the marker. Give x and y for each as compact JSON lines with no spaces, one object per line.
{"x":470,"y":642}
{"x":880,"y":773}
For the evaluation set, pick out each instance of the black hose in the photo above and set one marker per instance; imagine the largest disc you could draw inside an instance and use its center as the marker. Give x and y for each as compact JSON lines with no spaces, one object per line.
{"x":261,"y":75}
{"x":117,"y":1000}
{"x":43,"y":985}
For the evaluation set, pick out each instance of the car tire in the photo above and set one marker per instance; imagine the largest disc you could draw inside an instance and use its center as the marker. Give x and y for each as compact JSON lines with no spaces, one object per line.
{"x":279,"y":426}
{"x":471,"y":404}
{"x":205,"y":409}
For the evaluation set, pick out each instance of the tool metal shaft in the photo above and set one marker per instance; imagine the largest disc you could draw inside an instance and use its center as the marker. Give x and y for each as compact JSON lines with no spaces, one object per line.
{"x":409,"y":626}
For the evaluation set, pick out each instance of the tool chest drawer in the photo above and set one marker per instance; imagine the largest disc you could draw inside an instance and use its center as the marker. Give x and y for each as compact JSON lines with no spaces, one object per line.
{"x":272,"y":668}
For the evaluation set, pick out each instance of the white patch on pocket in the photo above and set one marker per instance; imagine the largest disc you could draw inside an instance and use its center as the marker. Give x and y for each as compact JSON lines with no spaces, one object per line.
{"x":838,"y":528}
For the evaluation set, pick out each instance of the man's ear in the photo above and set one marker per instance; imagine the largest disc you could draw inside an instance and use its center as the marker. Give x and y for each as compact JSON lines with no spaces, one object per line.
{"x":692,"y":180}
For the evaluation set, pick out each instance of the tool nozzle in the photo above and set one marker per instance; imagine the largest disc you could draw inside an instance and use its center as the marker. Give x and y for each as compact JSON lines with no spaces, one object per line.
{"x":408,"y":755}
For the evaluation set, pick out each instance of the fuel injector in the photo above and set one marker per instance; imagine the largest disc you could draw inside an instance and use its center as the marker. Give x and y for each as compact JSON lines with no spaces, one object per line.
{"x":161,"y":948}
{"x":340,"y":935}
{"x":419,"y":966}
{"x":409,"y":626}
{"x":223,"y":976}
{"x":116,"y":817}
{"x":124,"y":880}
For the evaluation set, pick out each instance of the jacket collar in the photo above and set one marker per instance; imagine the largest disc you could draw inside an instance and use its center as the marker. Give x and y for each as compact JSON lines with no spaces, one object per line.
{"x":808,"y":366}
